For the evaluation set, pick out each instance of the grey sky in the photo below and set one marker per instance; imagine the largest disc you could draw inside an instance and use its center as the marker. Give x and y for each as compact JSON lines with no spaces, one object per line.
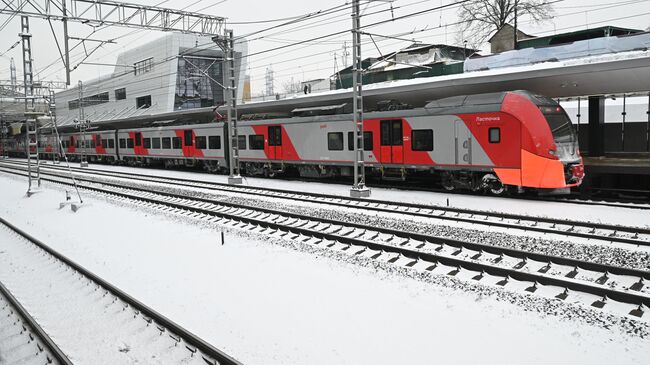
{"x":307,"y":61}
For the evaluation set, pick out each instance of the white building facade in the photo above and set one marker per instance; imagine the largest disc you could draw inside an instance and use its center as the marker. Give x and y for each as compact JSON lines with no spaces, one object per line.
{"x":174,"y":72}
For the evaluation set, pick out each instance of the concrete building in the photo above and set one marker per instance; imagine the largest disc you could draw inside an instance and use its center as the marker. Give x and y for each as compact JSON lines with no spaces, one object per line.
{"x":171,"y":73}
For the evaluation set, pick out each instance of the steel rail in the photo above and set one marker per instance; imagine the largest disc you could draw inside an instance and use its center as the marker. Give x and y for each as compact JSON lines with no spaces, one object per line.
{"x":586,"y":287}
{"x":341,"y":201}
{"x":188,"y":336}
{"x":56,"y":352}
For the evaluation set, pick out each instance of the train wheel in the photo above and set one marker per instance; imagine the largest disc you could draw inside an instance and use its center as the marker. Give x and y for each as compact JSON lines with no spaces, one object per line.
{"x":494,"y":185}
{"x":447,"y":181}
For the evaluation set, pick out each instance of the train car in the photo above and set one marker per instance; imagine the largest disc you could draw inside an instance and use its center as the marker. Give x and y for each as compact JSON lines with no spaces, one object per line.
{"x":486,"y":141}
{"x":97,"y":146}
{"x":186,"y":145}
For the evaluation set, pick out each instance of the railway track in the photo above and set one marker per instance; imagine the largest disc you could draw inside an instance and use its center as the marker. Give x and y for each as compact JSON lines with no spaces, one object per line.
{"x":571,"y":228}
{"x":560,"y":277}
{"x":22,"y":340}
{"x":96,"y":315}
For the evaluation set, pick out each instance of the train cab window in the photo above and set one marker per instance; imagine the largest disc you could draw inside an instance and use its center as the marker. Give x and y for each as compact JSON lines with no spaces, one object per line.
{"x":335,"y":141}
{"x":155,"y":143}
{"x":187,"y":134}
{"x":122,"y":143}
{"x":177,"y":143}
{"x":256,"y":141}
{"x":200,"y":142}
{"x":214,"y":142}
{"x":146,"y":143}
{"x":166,"y":143}
{"x":111,"y":143}
{"x":129,"y":143}
{"x":494,"y":135}
{"x":241,"y":142}
{"x":138,"y":139}
{"x":422,"y":140}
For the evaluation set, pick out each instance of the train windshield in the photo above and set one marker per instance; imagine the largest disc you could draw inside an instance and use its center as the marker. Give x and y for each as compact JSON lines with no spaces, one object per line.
{"x":560,"y":124}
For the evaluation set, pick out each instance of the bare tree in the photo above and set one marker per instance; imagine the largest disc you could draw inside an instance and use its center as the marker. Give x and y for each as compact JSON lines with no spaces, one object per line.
{"x":480,"y":18}
{"x":291,"y":86}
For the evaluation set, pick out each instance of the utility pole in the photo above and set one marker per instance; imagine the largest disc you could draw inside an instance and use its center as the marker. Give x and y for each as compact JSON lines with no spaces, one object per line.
{"x":4,"y":132}
{"x":31,"y":123}
{"x":227,"y":44}
{"x":82,"y":124}
{"x":359,"y":188}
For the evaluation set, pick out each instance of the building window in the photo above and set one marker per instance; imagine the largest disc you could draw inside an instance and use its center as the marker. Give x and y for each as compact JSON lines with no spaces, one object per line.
{"x":177,"y":143}
{"x":143,"y":66}
{"x":120,"y":94}
{"x":200,"y":142}
{"x":166,"y":143}
{"x":214,"y":142}
{"x":143,"y":102}
{"x":422,"y":140}
{"x":494,"y":135}
{"x":91,"y":100}
{"x":335,"y":141}
{"x":242,"y":142}
{"x":146,"y":143}
{"x":195,"y":81}
{"x":256,"y":141}
{"x":155,"y":143}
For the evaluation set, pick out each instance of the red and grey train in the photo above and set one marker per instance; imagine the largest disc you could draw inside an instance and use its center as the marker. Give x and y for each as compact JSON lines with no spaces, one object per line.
{"x":494,"y":142}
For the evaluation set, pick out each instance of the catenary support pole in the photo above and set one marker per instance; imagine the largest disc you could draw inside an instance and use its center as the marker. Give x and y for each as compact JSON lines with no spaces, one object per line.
{"x":359,"y":188}
{"x":31,"y":122}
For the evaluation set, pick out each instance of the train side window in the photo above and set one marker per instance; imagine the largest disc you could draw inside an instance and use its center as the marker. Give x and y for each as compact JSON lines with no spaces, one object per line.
{"x":166,"y":143}
{"x":92,"y":143}
{"x":146,"y":143}
{"x":200,"y":142}
{"x":188,"y":137}
{"x":367,"y":141}
{"x":214,"y":142}
{"x":241,"y":142}
{"x":122,"y":143}
{"x":256,"y":141}
{"x":335,"y":141}
{"x":422,"y":140}
{"x":177,"y":143}
{"x":155,"y":143}
{"x":494,"y":135}
{"x":111,"y":143}
{"x":98,"y":140}
{"x":350,"y":141}
{"x":129,"y":143}
{"x":104,"y":143}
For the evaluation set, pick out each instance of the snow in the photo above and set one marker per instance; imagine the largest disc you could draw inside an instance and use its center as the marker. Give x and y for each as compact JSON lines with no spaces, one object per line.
{"x":267,"y":303}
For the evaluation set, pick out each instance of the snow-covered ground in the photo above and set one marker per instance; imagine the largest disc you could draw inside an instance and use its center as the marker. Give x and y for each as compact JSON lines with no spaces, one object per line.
{"x":266,"y":303}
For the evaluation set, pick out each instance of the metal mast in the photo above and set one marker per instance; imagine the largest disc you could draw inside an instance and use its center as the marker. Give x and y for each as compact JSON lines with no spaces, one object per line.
{"x":31,"y":124}
{"x":12,"y":71}
{"x":82,"y":125}
{"x":359,"y":188}
{"x":227,"y":44}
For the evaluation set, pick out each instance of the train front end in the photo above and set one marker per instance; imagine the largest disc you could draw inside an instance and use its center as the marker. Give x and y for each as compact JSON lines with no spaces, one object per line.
{"x":550,"y":157}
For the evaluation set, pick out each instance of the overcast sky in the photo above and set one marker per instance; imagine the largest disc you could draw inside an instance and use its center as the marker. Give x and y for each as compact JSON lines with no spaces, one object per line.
{"x":306,"y":61}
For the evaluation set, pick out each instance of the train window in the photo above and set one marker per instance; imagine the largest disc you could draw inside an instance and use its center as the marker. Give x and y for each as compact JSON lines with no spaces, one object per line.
{"x":200,"y":142}
{"x":188,"y":137}
{"x":335,"y":141}
{"x":92,"y":143}
{"x":111,"y":143}
{"x":146,"y":143}
{"x":77,"y":143}
{"x":350,"y":141}
{"x":422,"y":140}
{"x":214,"y":142}
{"x":494,"y":135}
{"x":391,"y":132}
{"x":242,"y":142}
{"x":177,"y":143}
{"x":166,"y":143}
{"x":256,"y":141}
{"x":138,"y":139}
{"x":98,"y":140}
{"x":367,"y":141}
{"x":122,"y":143}
{"x":155,"y":143}
{"x":129,"y":143}
{"x":104,"y":143}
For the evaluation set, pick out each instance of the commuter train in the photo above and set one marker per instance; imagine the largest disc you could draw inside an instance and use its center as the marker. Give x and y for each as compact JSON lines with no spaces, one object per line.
{"x":496,"y":142}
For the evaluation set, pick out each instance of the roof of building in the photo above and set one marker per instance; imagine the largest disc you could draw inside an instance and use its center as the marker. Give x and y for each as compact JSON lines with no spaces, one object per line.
{"x":578,"y":35}
{"x":519,"y":32}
